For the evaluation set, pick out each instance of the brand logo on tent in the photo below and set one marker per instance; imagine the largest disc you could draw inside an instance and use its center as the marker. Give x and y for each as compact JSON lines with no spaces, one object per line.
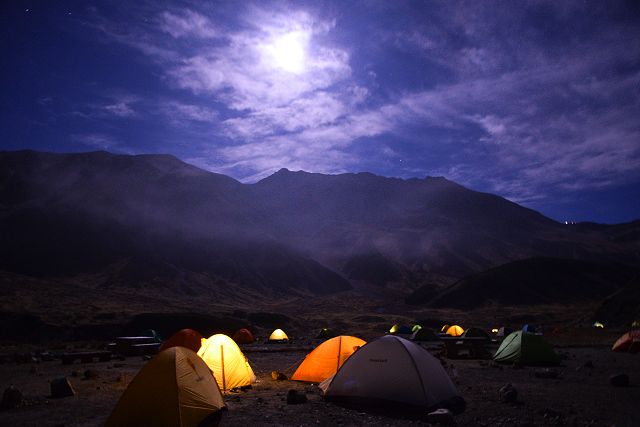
{"x":378,"y":360}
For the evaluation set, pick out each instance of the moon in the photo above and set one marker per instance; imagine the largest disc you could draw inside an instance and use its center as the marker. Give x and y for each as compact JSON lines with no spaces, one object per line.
{"x":288,"y":52}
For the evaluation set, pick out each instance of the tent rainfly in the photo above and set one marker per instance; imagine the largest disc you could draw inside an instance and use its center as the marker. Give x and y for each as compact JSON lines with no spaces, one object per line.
{"x":455,"y":331}
{"x":243,"y":336}
{"x":175,"y":388}
{"x":629,"y":342}
{"x":327,"y":358}
{"x":185,"y":338}
{"x":225,"y":359}
{"x":393,"y":372}
{"x":526,"y":349}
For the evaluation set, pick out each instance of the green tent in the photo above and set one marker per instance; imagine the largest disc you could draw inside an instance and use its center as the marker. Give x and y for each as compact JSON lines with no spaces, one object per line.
{"x":526,"y":349}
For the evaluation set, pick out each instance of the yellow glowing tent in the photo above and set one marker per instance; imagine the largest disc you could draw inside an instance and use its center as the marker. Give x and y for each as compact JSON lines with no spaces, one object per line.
{"x":278,"y":335}
{"x":455,"y":331}
{"x":327,"y":358}
{"x":223,"y":356}
{"x":175,"y":388}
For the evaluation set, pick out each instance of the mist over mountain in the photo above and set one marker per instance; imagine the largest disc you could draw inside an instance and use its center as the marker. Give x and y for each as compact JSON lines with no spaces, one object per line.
{"x":153,"y":220}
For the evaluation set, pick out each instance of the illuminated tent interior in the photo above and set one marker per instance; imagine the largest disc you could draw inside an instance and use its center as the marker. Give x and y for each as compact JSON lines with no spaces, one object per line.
{"x":175,"y":388}
{"x":227,"y":362}
{"x":455,"y":331}
{"x":327,"y":358}
{"x":278,"y":335}
{"x":392,"y":371}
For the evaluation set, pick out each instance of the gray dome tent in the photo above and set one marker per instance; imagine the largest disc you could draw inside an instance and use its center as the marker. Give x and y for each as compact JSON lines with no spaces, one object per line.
{"x":396,"y":373}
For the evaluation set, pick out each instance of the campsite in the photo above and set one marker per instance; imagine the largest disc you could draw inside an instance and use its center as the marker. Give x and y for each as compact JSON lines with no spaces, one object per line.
{"x":574,"y":390}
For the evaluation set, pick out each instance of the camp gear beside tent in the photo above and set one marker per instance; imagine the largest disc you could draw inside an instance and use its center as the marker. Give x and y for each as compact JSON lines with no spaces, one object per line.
{"x":243,"y":336}
{"x":629,"y":342}
{"x":185,"y":338}
{"x":526,"y":349}
{"x":424,"y":334}
{"x":327,"y":358}
{"x":278,"y":335}
{"x":455,"y":331}
{"x":225,"y":359}
{"x":175,"y":388}
{"x":394,"y":372}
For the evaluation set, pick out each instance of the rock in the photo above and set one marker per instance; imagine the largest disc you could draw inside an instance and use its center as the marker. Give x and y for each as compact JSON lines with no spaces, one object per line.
{"x":61,"y":387}
{"x":441,"y":416}
{"x":12,"y":398}
{"x":91,"y":374}
{"x":508,"y":394}
{"x":546,"y":373}
{"x":619,"y":380}
{"x":278,"y":376}
{"x":294,"y":398}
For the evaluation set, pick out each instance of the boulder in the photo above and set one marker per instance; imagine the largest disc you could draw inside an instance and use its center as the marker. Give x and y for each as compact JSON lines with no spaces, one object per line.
{"x":61,"y":387}
{"x":619,"y":380}
{"x":12,"y":398}
{"x":441,"y":416}
{"x":508,"y":394}
{"x":295,"y":398}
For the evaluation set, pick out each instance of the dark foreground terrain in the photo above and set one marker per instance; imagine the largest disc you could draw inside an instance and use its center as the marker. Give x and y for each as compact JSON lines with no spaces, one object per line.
{"x":581,"y":395}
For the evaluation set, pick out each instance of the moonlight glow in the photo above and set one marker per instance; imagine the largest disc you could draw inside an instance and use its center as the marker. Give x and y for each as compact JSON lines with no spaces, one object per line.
{"x":287,"y":52}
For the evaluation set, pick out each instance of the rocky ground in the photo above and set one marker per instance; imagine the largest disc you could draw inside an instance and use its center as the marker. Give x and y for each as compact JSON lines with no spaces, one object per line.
{"x":578,"y":393}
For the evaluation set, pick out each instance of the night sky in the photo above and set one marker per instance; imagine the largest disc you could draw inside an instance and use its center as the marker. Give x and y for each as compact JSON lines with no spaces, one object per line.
{"x":537,"y":101}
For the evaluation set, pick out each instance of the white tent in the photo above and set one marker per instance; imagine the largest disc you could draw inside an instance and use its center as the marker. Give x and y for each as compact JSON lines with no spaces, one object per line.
{"x":393,"y":371}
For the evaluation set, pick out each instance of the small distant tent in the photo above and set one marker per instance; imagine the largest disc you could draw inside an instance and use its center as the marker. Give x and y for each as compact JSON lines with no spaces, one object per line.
{"x":635,"y":324}
{"x":495,"y":331}
{"x":400,"y":329}
{"x":455,"y":331}
{"x":629,"y":342}
{"x":529,"y":328}
{"x":243,"y":336}
{"x":175,"y":388}
{"x":526,"y":349}
{"x":444,"y":328}
{"x":327,"y":358}
{"x":185,"y":338}
{"x":476,"y":333}
{"x":598,"y":325}
{"x":415,"y":328}
{"x":225,"y":359}
{"x":394,"y":372}
{"x":424,"y":334}
{"x":326,"y":333}
{"x":278,"y":335}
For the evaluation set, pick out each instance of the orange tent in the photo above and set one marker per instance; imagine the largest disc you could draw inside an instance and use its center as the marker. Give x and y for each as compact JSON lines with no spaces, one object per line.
{"x":185,"y":338}
{"x":325,"y":360}
{"x":455,"y":331}
{"x":629,"y":342}
{"x":243,"y":336}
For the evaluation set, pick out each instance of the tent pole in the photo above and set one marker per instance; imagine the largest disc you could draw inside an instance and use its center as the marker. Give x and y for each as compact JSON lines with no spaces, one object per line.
{"x":339,"y":350}
{"x":224,"y":382}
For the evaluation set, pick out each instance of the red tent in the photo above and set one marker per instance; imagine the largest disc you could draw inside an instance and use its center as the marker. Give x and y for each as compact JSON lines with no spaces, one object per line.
{"x":629,"y":342}
{"x":185,"y":338}
{"x":243,"y":336}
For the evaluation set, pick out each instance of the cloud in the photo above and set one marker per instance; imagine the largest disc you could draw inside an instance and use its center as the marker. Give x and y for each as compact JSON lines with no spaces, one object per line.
{"x":187,"y":23}
{"x":97,"y":140}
